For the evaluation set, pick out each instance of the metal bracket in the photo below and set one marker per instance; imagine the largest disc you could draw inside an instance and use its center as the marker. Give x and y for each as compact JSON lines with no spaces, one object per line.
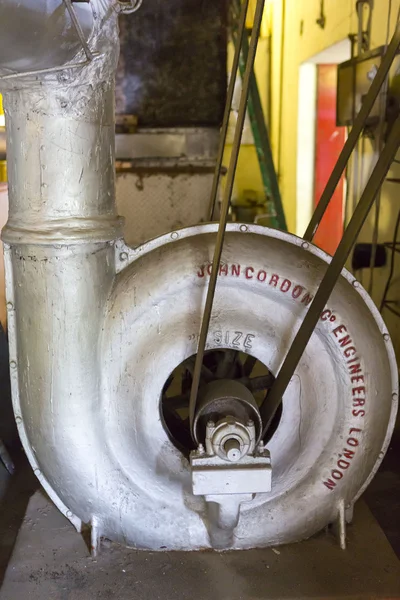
{"x":321,"y":21}
{"x":339,"y":525}
{"x":213,"y":476}
{"x":128,"y":7}
{"x":226,"y":486}
{"x":364,"y":35}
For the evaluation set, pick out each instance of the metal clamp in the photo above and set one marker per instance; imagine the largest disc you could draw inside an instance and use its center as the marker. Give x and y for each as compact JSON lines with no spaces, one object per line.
{"x":127,"y":8}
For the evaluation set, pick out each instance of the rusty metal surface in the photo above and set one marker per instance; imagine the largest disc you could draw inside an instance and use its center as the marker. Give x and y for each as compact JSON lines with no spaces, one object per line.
{"x":166,"y":183}
{"x":172,"y":69}
{"x":154,"y":202}
{"x":189,"y":144}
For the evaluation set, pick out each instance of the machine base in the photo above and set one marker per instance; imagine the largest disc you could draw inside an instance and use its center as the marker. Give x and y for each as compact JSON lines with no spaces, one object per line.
{"x":50,"y":560}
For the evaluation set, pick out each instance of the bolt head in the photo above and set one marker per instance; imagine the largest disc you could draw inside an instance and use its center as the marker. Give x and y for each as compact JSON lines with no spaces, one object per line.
{"x":200,"y":450}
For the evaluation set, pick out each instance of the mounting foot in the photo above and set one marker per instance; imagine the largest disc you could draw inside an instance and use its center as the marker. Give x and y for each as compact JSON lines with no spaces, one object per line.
{"x":95,"y":537}
{"x":339,"y":525}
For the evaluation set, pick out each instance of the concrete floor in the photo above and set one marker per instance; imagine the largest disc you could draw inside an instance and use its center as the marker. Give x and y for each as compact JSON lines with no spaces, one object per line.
{"x":16,"y":492}
{"x":51,"y":561}
{"x":41,"y":555}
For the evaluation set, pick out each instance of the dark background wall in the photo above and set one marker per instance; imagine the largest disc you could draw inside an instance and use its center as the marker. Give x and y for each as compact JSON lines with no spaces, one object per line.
{"x":8,"y":432}
{"x":172,"y":70}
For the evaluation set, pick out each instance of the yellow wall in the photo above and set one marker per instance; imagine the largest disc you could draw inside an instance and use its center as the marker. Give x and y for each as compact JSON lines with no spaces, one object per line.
{"x":248,"y":176}
{"x":341,"y":19}
{"x":303,"y":39}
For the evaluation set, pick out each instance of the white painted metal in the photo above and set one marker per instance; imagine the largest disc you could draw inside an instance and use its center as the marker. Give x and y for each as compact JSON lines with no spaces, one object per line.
{"x":226,"y":488}
{"x":230,"y":469}
{"x":96,"y":328}
{"x":213,"y":476}
{"x":331,"y":437}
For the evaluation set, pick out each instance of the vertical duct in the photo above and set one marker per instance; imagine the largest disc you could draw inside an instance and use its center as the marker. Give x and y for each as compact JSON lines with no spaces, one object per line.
{"x":60,"y":232}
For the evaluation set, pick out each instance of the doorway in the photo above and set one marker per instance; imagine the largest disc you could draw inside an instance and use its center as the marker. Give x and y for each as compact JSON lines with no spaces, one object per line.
{"x":319,"y":143}
{"x":329,"y":142}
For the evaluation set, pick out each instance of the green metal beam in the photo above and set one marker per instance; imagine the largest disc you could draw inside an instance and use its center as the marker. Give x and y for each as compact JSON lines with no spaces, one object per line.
{"x":261,"y":137}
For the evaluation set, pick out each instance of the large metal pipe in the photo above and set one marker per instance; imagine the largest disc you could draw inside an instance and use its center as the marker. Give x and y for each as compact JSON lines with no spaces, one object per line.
{"x":60,"y":232}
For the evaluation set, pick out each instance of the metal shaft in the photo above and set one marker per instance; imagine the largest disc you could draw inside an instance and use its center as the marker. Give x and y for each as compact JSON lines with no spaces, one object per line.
{"x":224,"y":209}
{"x":307,"y":327}
{"x":354,"y":134}
{"x":228,"y":106}
{"x":78,"y":29}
